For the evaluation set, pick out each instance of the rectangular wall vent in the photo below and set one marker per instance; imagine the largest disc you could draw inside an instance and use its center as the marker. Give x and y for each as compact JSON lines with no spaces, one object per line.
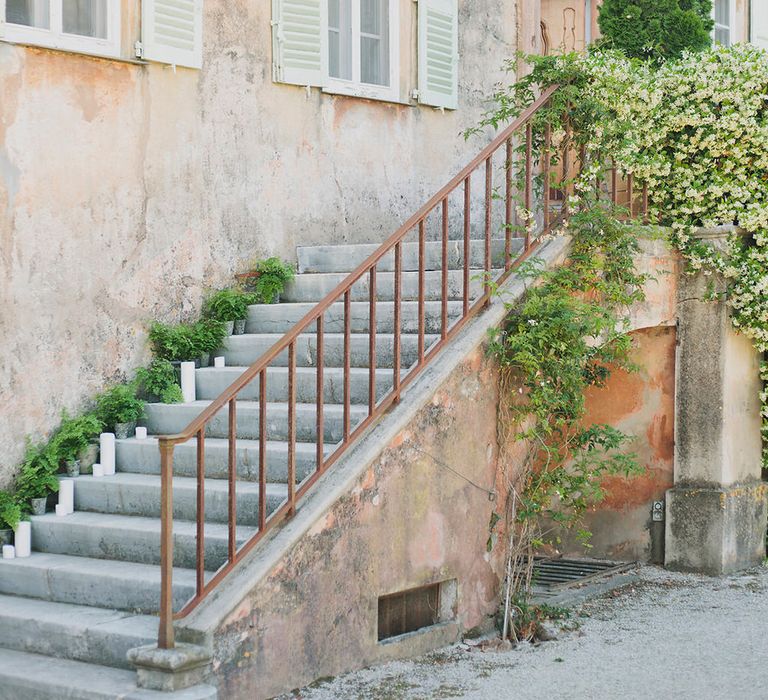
{"x":408,"y":611}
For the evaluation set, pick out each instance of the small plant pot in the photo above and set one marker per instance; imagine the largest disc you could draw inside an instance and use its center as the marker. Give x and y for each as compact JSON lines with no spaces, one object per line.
{"x":124,"y":430}
{"x":230,"y":326}
{"x":6,"y":537}
{"x":88,"y":457}
{"x":205,"y":359}
{"x":239,"y":327}
{"x":38,"y":505}
{"x":73,"y":468}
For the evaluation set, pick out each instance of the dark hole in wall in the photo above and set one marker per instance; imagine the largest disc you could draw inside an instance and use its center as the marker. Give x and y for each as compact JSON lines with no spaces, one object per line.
{"x":409,"y":611}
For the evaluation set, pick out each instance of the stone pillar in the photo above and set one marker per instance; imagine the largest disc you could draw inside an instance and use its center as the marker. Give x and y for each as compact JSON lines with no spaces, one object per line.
{"x":716,"y":512}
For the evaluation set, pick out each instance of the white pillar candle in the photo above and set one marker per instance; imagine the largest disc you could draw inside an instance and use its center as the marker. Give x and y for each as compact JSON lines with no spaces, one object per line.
{"x":67,"y":495}
{"x":141,"y":433}
{"x":8,"y":551}
{"x":61,"y":510}
{"x":188,"y":381}
{"x":98,"y":471}
{"x":218,"y":362}
{"x":23,"y":539}
{"x":107,"y":445}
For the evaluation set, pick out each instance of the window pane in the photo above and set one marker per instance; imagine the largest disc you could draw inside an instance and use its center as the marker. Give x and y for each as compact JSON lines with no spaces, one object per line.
{"x":30,"y":13}
{"x":723,"y":36}
{"x":85,"y":17}
{"x":340,"y":39}
{"x":374,"y":42}
{"x":723,"y":12}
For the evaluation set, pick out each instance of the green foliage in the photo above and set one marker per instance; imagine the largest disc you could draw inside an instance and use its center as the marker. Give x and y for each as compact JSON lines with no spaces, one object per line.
{"x":271,"y":276}
{"x":75,"y":434}
{"x":158,"y":382}
{"x":119,"y":404}
{"x":37,"y":476}
{"x":229,"y":304}
{"x":10,"y":511}
{"x":208,"y":335}
{"x":186,"y":341}
{"x":656,"y":29}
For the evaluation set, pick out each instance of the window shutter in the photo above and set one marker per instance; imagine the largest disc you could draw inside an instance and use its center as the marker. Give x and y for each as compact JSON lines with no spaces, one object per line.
{"x":300,"y":41}
{"x":760,"y":23}
{"x":172,"y":32}
{"x":439,"y":53}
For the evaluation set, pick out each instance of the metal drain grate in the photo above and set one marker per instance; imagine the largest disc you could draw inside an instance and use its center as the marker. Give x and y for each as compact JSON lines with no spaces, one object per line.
{"x":556,"y":574}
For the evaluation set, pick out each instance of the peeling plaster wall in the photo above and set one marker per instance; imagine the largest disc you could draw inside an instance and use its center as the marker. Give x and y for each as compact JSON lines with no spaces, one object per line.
{"x":126,"y":190}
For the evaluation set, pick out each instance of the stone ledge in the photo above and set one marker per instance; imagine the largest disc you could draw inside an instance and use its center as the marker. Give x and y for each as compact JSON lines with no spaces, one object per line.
{"x":170,"y":669}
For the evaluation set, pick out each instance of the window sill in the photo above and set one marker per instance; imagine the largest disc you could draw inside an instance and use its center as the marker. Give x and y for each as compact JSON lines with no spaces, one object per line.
{"x":86,"y":54}
{"x":362,"y":93}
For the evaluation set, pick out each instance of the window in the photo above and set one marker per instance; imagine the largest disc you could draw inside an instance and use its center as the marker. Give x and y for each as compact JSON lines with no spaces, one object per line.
{"x":759,"y":24}
{"x":724,"y":21}
{"x":361,"y":38}
{"x":87,"y":26}
{"x":416,"y":609}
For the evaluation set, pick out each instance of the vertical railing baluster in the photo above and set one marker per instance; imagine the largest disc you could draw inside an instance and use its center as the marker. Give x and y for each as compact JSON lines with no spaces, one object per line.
{"x":508,"y":207}
{"x":422,"y":271}
{"x":165,"y":637}
{"x":292,"y":428}
{"x":232,"y":474}
{"x":397,"y":316}
{"x":200,"y":562}
{"x":565,"y":186}
{"x":347,"y":362}
{"x":614,"y":184}
{"x":528,"y":181}
{"x":488,"y":222}
{"x":320,"y":398}
{"x":372,"y":342}
{"x":645,"y":202}
{"x":444,"y":261}
{"x":547,"y":175}
{"x":467,"y":231}
{"x":262,"y":448}
{"x":631,"y":194}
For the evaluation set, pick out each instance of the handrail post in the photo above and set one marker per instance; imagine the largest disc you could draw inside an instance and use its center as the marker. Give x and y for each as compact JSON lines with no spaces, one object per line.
{"x":165,"y":636}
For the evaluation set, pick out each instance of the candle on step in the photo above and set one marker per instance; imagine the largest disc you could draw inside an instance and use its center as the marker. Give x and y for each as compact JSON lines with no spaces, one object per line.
{"x":141,"y":433}
{"x":23,"y":539}
{"x":61,"y":510}
{"x":98,"y":471}
{"x":107,"y":447}
{"x":9,"y":551}
{"x":218,"y":362}
{"x":66,"y":496}
{"x":188,"y":381}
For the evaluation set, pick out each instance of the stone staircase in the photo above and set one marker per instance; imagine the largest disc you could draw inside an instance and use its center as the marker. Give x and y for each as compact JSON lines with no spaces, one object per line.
{"x":90,"y":591}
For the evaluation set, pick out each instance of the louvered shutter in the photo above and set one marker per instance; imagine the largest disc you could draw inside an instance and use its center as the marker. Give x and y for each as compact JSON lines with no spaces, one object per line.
{"x":760,"y":23}
{"x":439,"y":53}
{"x":300,"y":41}
{"x":172,"y":32}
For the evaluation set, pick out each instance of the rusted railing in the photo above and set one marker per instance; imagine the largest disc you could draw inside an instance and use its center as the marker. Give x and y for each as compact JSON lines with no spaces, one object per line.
{"x":520,"y":167}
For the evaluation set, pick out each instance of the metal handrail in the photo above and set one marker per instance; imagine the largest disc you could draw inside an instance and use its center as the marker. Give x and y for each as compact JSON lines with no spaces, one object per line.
{"x":228,"y":398}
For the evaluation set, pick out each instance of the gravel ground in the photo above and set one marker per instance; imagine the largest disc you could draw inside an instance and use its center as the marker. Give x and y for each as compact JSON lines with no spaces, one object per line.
{"x":667,"y":636}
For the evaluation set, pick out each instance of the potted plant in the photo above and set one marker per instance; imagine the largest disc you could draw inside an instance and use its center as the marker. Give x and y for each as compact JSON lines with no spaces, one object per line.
{"x":120,"y":407}
{"x":37,"y":477}
{"x":173,"y":343}
{"x":10,"y":515}
{"x":208,"y":335}
{"x":267,"y":279}
{"x":74,"y":441}
{"x":230,"y":306}
{"x":159,"y":382}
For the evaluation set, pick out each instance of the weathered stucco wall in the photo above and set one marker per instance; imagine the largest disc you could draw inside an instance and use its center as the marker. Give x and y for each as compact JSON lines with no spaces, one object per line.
{"x":126,"y":190}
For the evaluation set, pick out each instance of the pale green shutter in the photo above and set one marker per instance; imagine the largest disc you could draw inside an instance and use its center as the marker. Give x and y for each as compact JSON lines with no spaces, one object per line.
{"x":300,"y":41}
{"x":439,"y":53}
{"x":760,"y":23}
{"x":172,"y":32}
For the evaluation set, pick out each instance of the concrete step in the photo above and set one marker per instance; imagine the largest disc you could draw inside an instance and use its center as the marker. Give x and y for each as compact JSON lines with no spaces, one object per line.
{"x":143,"y":457}
{"x":314,"y":286}
{"x":346,"y":258}
{"x":280,"y":318}
{"x":139,"y":494}
{"x":244,"y":350}
{"x":211,"y":382}
{"x":120,"y":585}
{"x":129,"y":538}
{"x":169,"y":419}
{"x":25,"y":676}
{"x":76,"y":632}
